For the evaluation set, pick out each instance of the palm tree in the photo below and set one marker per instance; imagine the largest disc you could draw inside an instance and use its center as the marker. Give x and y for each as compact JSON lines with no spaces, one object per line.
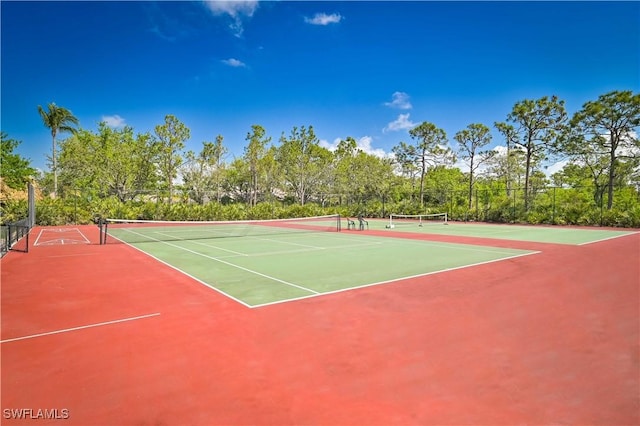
{"x":57,"y":119}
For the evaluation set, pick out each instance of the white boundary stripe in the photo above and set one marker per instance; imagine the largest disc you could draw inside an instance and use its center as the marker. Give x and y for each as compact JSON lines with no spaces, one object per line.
{"x":227,"y":263}
{"x":295,"y":251}
{"x":393,"y":280}
{"x":85,"y":240}
{"x":82,"y":327}
{"x":608,"y":238}
{"x":315,"y":293}
{"x":209,"y":286}
{"x":237,"y":253}
{"x":289,"y":243}
{"x":75,"y":255}
{"x":457,"y":246}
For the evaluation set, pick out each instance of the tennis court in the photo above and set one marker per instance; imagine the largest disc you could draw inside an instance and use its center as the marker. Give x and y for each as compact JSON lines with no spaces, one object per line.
{"x":466,"y":330}
{"x":264,"y":262}
{"x":540,"y":234}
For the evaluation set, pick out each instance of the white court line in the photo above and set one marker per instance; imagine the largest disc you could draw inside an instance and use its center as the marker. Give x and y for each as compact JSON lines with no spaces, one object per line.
{"x":374,"y":244}
{"x":82,"y":327}
{"x":254,"y":237}
{"x":608,"y":238}
{"x":38,"y":237}
{"x":60,"y":231}
{"x":237,"y":253}
{"x":342,"y":290}
{"x":75,"y":255}
{"x":196,"y":279}
{"x":289,"y":243}
{"x":307,"y":250}
{"x":226,"y":263}
{"x":456,"y":246}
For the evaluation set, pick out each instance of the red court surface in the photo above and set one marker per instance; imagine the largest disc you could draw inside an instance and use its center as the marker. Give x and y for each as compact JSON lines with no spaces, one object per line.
{"x":105,"y":335}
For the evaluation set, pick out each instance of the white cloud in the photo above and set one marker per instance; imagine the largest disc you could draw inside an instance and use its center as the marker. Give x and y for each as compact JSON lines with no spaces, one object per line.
{"x":232,"y":8}
{"x":232,"y":62}
{"x":500,"y":150}
{"x":236,"y":9}
{"x":363,"y":144}
{"x":113,"y":120}
{"x":399,"y":100}
{"x":324,"y":19}
{"x":330,"y":146}
{"x":401,"y":123}
{"x":555,"y":167}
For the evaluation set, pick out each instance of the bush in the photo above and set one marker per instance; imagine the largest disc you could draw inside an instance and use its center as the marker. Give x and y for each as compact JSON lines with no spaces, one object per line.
{"x":571,"y":208}
{"x":50,"y":212}
{"x":13,"y":210}
{"x":264,"y":211}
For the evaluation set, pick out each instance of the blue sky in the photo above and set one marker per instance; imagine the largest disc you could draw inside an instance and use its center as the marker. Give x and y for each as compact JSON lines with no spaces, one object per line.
{"x":369,"y":70}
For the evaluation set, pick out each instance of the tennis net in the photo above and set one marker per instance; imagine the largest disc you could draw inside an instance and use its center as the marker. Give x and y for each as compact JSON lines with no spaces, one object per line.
{"x":396,"y":220}
{"x":143,"y":231}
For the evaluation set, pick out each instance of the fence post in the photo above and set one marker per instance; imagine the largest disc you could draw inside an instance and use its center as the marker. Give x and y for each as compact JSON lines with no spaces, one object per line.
{"x":31,"y":193}
{"x":553,"y":210}
{"x":477,"y":215}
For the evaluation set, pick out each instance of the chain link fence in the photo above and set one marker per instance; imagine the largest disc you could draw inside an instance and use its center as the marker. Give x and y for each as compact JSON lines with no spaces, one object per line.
{"x":15,"y":235}
{"x":555,"y":205}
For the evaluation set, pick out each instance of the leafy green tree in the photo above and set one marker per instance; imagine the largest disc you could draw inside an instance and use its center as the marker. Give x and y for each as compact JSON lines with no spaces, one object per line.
{"x":538,"y":123}
{"x":110,"y":162}
{"x":254,"y":154}
{"x":405,"y":166}
{"x":57,"y":119}
{"x":80,"y":157}
{"x":200,"y":171}
{"x":510,"y":162}
{"x":471,"y":140}
{"x":376,"y":175}
{"x":343,"y":176}
{"x":359,"y":175}
{"x":15,"y":169}
{"x":129,"y":161}
{"x":218,"y":153}
{"x":572,"y":175}
{"x":145,"y":153}
{"x":446,"y":189}
{"x":303,"y":162}
{"x":604,"y":136}
{"x":170,"y":139}
{"x":237,"y":180}
{"x":271,"y":173}
{"x":430,"y":150}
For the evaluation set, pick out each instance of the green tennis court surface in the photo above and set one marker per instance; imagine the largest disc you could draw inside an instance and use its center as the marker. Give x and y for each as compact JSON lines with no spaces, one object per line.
{"x":540,"y":234}
{"x":261,"y":268}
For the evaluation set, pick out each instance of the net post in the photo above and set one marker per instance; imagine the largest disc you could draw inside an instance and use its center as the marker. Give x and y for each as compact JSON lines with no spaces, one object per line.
{"x":339,"y":228}
{"x":105,"y":228}
{"x":102,"y":227}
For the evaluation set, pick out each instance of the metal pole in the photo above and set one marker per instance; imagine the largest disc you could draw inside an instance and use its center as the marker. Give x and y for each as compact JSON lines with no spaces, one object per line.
{"x":553,"y":211}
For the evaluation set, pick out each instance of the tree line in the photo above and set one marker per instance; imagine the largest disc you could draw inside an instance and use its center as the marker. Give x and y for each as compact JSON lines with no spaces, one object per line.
{"x":599,"y":144}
